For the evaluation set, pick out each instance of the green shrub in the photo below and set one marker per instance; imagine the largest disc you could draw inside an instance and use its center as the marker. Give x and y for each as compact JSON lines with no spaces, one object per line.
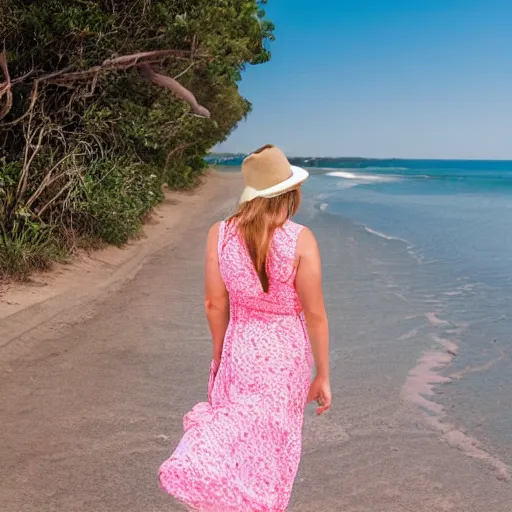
{"x":116,"y":196}
{"x":27,"y":247}
{"x":86,"y":149}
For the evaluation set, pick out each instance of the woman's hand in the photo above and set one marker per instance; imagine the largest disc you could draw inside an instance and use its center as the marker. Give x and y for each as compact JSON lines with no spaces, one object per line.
{"x":320,"y":391}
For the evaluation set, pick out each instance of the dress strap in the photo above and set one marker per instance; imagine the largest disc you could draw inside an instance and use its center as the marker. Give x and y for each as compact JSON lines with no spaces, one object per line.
{"x":294,"y":230}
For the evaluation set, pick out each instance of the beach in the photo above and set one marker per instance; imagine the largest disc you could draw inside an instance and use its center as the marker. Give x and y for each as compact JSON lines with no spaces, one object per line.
{"x":93,"y":398}
{"x":382,"y":450}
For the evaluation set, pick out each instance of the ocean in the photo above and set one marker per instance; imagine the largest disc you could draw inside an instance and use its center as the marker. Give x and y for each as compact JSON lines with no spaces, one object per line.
{"x":440,"y":235}
{"x":453,"y":219}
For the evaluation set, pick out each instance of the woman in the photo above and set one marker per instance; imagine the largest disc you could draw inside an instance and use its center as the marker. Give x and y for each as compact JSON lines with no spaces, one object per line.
{"x":264,"y":302}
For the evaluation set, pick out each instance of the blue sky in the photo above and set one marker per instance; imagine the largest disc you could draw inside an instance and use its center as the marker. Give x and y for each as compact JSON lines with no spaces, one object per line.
{"x":377,"y":78}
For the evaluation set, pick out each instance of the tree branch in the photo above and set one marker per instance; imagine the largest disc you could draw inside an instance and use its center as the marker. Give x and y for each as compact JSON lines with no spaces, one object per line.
{"x":5,"y":87}
{"x":27,"y":162}
{"x":65,"y":77}
{"x":170,"y":83}
{"x":185,"y":71}
{"x":172,"y":152}
{"x":48,"y":180}
{"x":55,"y":197}
{"x":116,"y":63}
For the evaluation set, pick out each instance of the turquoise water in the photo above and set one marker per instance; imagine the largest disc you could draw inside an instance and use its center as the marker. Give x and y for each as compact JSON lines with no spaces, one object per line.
{"x":454,"y":220}
{"x":448,"y":228}
{"x":458,"y":214}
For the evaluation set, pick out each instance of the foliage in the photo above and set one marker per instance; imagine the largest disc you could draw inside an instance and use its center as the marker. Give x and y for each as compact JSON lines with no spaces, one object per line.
{"x":27,"y":246}
{"x":87,"y":142}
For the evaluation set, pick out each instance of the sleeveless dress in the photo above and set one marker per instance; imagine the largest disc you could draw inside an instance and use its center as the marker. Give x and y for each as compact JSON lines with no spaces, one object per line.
{"x":241,"y":449}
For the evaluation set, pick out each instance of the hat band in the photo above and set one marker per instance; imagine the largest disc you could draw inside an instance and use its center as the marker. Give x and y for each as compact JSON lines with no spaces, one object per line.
{"x":269,"y":187}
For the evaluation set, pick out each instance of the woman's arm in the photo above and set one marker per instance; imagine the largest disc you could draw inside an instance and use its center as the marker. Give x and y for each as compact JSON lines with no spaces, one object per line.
{"x":309,"y":288}
{"x":216,"y":294}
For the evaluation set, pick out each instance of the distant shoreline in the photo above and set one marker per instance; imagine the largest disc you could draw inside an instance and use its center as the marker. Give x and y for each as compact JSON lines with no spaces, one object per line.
{"x":214,"y":157}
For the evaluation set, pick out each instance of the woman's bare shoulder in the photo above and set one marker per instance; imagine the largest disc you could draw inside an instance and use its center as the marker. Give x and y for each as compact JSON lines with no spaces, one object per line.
{"x":214,"y":230}
{"x":213,"y":235}
{"x":306,"y":243}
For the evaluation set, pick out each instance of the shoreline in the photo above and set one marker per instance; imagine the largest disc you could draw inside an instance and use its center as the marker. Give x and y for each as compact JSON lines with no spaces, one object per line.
{"x":390,"y":351}
{"x":420,"y":388}
{"x":423,"y":387}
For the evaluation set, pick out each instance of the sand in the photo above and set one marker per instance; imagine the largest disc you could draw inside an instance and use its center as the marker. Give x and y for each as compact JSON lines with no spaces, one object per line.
{"x":51,"y":299}
{"x":98,"y":366}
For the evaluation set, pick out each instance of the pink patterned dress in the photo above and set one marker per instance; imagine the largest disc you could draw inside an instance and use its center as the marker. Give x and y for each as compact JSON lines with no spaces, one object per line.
{"x":241,"y":449}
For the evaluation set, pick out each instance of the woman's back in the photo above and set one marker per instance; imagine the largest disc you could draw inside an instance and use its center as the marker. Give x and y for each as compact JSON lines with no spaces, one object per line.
{"x":242,"y":282}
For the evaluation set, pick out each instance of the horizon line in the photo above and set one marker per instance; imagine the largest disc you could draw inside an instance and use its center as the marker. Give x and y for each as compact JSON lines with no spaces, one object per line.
{"x":448,"y":159}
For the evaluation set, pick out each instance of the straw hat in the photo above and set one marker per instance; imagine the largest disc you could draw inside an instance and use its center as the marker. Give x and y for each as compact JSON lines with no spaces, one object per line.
{"x":267,"y":173}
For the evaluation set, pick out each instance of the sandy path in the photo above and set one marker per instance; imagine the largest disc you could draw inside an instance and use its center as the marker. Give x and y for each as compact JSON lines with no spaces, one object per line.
{"x":68,"y":293}
{"x":92,"y":400}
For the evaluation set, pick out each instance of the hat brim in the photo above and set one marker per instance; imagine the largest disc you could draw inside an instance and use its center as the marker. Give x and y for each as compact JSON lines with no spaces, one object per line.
{"x":298,"y":177}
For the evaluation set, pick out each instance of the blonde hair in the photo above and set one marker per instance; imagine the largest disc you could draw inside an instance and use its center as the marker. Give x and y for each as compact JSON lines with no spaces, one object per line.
{"x":256,"y":222}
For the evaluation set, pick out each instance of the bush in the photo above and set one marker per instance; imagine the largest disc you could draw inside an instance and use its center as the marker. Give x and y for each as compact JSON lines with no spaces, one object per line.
{"x":117,"y":196}
{"x":91,"y":122}
{"x":26,"y":247}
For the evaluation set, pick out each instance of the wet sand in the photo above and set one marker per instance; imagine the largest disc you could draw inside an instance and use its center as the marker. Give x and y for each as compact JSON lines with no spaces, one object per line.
{"x":92,"y":401}
{"x":397,"y":452}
